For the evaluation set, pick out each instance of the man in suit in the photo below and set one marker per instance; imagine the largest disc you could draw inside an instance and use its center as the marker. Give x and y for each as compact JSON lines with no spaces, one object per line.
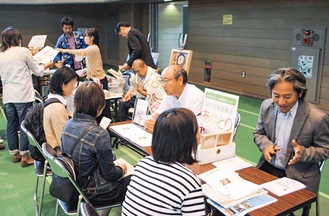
{"x":137,"y":45}
{"x":292,"y":134}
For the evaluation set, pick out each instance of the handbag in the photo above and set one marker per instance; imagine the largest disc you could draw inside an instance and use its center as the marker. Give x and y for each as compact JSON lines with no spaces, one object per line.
{"x":62,"y":188}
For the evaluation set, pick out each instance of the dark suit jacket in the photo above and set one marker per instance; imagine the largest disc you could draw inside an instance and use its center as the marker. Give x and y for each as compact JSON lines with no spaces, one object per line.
{"x":139,"y":48}
{"x":310,"y":129}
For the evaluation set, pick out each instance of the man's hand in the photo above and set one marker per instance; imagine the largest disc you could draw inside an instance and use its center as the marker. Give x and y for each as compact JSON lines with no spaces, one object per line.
{"x":269,"y":151}
{"x":298,"y":153}
{"x":59,"y":64}
{"x":122,"y":165}
{"x":124,"y":67}
{"x":149,"y":125}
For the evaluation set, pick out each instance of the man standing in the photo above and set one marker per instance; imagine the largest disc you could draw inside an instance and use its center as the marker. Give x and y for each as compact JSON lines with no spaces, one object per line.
{"x":146,"y":81}
{"x":137,"y":45}
{"x":69,"y":40}
{"x":180,"y":94}
{"x":292,"y":134}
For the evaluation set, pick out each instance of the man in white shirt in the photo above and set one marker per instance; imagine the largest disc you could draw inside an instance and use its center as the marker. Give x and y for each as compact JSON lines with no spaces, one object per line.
{"x":179,"y":93}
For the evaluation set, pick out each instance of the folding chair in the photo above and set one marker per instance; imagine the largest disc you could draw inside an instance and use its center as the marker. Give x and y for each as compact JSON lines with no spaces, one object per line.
{"x":39,"y":173}
{"x":88,"y":210}
{"x":62,"y":169}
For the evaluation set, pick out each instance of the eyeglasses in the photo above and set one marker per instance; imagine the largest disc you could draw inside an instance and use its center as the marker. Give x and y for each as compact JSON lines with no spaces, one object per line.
{"x":165,"y":81}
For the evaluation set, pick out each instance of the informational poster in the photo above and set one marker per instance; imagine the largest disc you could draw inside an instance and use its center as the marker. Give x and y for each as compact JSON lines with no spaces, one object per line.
{"x":228,"y":19}
{"x":305,"y":65}
{"x":140,"y":111}
{"x":218,"y":118}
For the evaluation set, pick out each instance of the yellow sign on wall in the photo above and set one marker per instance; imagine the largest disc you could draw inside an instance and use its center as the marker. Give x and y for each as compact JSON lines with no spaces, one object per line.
{"x":228,"y":19}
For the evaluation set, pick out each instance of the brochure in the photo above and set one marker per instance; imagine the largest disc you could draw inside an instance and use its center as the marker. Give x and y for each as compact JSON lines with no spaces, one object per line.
{"x":244,"y":207}
{"x":45,"y":55}
{"x":283,"y":186}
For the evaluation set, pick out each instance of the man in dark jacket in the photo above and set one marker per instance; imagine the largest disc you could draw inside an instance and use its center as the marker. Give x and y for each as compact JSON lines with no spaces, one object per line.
{"x":137,"y":45}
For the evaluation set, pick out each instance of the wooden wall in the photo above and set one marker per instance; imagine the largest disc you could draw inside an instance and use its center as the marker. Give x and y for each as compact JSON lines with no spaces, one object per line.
{"x":45,"y":19}
{"x":258,"y":42}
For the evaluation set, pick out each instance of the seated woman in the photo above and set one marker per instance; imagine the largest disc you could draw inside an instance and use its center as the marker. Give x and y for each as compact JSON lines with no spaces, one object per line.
{"x":55,"y":115}
{"x":89,"y":145}
{"x":161,"y":184}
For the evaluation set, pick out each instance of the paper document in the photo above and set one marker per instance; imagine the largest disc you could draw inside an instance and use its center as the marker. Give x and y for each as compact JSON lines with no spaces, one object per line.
{"x":283,"y":186}
{"x":229,"y":184}
{"x":45,"y":55}
{"x":245,"y":206}
{"x":37,"y":41}
{"x":105,"y":122}
{"x":130,"y":168}
{"x":134,"y":133}
{"x":233,"y":164}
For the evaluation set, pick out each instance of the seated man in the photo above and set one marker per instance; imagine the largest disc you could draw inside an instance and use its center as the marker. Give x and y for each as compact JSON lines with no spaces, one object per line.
{"x":146,"y":82}
{"x":180,"y":94}
{"x":292,"y":134}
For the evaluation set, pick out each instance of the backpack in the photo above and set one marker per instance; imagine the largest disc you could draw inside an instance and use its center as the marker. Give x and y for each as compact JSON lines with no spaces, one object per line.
{"x":34,"y":124}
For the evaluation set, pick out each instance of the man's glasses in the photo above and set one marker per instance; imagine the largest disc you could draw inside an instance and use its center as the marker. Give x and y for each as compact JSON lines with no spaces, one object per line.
{"x":165,"y":81}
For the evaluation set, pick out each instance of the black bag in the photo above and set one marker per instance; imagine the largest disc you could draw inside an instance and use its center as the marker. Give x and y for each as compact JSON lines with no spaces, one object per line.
{"x":34,"y":124}
{"x":62,"y":188}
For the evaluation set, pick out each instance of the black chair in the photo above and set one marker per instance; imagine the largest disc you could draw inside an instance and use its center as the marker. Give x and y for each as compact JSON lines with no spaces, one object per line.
{"x":39,"y":173}
{"x":66,"y":170}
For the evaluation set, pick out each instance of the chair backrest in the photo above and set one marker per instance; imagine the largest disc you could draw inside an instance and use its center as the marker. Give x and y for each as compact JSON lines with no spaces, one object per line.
{"x":63,"y":167}
{"x":321,"y":165}
{"x":32,"y":139}
{"x":38,"y":98}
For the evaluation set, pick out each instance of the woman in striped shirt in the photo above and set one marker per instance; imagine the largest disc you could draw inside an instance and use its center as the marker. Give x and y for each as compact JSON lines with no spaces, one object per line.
{"x":161,"y":184}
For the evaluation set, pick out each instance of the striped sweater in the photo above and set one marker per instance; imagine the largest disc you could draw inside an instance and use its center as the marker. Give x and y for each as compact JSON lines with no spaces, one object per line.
{"x":163,"y":189}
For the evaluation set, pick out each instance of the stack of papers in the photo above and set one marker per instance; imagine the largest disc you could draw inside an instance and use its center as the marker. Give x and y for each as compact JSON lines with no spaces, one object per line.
{"x":283,"y":186}
{"x":134,"y":133}
{"x":227,"y":188}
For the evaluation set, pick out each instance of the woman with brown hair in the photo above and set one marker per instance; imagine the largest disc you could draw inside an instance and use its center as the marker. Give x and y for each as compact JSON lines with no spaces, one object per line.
{"x":16,"y":69}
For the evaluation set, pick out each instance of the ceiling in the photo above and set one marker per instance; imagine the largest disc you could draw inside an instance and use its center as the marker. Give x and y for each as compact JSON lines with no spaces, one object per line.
{"x":41,"y":2}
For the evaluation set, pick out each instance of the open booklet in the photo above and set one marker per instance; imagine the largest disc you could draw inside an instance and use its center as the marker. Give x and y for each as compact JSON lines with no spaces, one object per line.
{"x":130,"y":168}
{"x":243,"y":207}
{"x":227,"y":188}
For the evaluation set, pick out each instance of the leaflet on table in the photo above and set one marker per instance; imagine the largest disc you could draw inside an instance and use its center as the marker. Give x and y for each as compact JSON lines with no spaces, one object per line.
{"x":38,"y":41}
{"x":134,"y":133}
{"x":242,"y":208}
{"x":229,"y":183}
{"x":283,"y":186}
{"x":45,"y":55}
{"x":233,"y":164}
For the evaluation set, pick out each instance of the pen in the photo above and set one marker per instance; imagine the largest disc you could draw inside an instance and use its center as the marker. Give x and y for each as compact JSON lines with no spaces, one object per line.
{"x":275,"y":144}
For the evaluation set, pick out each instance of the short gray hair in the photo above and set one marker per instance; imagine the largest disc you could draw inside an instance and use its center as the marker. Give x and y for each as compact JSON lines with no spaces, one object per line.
{"x":288,"y":75}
